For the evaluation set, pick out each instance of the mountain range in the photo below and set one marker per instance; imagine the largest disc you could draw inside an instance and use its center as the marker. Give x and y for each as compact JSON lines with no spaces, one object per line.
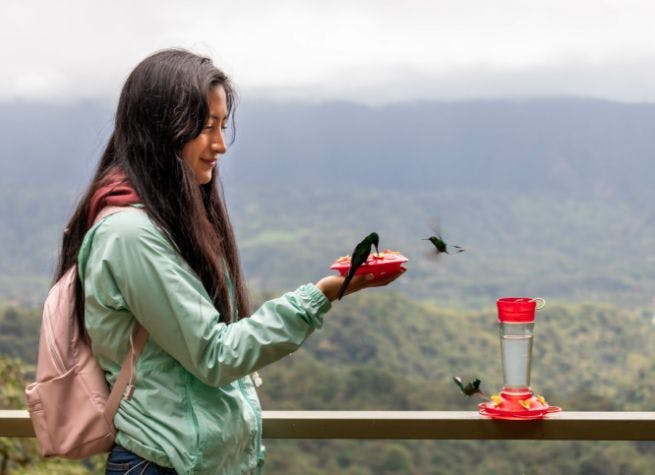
{"x":560,"y":144}
{"x":548,"y":196}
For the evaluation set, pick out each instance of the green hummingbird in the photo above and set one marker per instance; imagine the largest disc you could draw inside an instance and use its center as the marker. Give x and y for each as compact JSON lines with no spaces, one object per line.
{"x":470,"y":388}
{"x":441,"y":246}
{"x":359,"y":256}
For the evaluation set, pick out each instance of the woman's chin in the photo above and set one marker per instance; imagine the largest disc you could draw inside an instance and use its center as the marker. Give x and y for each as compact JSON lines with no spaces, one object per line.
{"x":203,"y":178}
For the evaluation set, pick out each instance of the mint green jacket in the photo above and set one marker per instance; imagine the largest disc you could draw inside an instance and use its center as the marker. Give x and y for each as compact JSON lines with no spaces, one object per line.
{"x":195,"y":408}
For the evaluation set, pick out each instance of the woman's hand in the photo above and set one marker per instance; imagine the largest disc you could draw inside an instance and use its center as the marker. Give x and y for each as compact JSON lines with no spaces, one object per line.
{"x":331,"y":284}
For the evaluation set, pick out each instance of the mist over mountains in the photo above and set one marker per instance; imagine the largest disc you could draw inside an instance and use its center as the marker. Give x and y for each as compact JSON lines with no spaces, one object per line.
{"x":562,"y":145}
{"x":550,"y":197}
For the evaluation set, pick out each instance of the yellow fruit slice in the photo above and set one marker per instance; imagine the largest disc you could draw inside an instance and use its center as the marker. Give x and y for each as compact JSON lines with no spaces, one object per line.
{"x":525,"y":403}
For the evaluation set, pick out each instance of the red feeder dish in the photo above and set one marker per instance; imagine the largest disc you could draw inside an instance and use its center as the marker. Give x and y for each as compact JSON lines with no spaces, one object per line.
{"x":517,"y":406}
{"x":387,"y":262}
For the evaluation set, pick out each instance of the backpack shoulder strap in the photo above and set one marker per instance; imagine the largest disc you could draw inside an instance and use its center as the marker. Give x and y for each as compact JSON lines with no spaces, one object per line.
{"x":124,"y":385}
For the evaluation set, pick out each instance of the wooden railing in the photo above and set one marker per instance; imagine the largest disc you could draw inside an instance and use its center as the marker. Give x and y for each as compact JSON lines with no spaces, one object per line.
{"x":423,"y":425}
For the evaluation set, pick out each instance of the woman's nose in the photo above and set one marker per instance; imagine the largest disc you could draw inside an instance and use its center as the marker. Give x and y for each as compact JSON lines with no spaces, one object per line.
{"x":218,"y":144}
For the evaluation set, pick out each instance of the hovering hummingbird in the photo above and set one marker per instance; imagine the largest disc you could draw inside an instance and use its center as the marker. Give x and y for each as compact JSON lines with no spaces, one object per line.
{"x":359,"y":256}
{"x":470,"y":388}
{"x":441,"y":246}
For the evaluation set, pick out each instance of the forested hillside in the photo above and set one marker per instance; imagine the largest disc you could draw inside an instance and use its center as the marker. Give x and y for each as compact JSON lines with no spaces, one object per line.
{"x":532,"y":244}
{"x":382,"y":351}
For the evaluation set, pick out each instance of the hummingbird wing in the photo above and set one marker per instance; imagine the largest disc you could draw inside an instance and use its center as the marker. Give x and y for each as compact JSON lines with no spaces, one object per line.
{"x":434,"y":223}
{"x":458,"y":382}
{"x":346,"y":281}
{"x":359,"y":257}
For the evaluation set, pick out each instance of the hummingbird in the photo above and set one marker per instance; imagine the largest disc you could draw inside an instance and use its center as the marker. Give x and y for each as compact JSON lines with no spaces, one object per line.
{"x":441,"y":246}
{"x":470,"y":388}
{"x":359,"y":256}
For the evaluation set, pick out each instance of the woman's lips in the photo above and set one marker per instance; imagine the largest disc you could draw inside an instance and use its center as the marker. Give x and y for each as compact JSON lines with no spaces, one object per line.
{"x":209,"y":162}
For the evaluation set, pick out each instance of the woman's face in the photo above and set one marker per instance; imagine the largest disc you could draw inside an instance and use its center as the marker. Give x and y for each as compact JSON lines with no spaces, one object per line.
{"x":202,"y":153}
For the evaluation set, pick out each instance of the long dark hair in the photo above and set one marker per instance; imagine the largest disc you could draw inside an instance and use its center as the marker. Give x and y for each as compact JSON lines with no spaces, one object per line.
{"x":163,"y":105}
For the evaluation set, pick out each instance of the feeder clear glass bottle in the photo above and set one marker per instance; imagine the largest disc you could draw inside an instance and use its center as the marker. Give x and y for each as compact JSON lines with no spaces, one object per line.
{"x":516,"y":351}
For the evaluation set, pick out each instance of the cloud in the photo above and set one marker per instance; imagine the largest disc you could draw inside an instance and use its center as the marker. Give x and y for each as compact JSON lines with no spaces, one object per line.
{"x":367,"y":50}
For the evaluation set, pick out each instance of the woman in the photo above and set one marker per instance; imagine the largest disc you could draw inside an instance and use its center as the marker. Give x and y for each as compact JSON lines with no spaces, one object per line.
{"x":170,"y":262}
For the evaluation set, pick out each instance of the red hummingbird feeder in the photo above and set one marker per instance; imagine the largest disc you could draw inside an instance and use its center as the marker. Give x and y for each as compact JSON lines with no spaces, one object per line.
{"x":387,"y":262}
{"x":517,"y":401}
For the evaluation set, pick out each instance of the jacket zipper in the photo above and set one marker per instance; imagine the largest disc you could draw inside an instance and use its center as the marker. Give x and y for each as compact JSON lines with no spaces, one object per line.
{"x":257,"y":418}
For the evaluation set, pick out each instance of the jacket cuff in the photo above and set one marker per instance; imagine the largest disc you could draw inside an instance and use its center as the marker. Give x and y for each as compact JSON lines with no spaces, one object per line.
{"x":315,"y":302}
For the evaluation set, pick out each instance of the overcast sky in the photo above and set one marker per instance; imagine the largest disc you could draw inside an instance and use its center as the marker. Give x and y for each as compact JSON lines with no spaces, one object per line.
{"x":373,"y":51}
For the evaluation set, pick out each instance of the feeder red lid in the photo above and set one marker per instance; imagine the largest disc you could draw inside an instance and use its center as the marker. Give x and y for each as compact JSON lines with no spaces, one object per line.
{"x":518,"y":309}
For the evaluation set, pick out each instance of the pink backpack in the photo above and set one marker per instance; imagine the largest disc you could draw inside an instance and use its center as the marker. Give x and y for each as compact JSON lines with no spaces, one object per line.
{"x":71,"y":407}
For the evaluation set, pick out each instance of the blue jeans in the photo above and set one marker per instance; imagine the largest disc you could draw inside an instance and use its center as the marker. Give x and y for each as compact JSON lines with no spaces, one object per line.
{"x":123,"y":462}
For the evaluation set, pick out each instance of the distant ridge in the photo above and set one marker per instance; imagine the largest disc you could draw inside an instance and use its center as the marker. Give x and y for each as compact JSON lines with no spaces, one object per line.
{"x":558,"y":144}
{"x":561,"y":144}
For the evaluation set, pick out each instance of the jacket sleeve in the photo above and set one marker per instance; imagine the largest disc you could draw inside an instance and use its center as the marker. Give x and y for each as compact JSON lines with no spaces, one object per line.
{"x":130,"y":255}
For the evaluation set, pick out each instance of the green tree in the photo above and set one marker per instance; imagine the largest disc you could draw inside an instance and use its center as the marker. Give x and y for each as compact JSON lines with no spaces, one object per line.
{"x":14,"y":452}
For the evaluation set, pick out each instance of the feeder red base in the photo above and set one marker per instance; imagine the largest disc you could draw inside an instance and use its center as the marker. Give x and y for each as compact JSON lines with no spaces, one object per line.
{"x":517,"y":405}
